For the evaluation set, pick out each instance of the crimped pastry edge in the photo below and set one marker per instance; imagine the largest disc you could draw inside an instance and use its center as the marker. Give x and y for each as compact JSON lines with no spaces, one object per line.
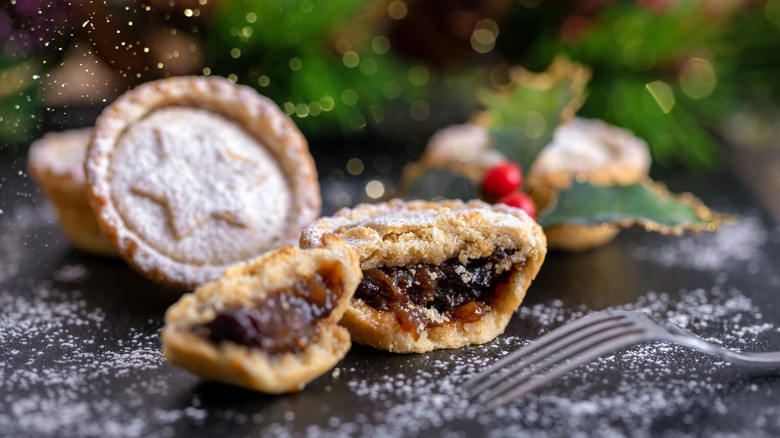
{"x":243,"y":366}
{"x":67,"y":192}
{"x":381,"y":330}
{"x":256,"y":113}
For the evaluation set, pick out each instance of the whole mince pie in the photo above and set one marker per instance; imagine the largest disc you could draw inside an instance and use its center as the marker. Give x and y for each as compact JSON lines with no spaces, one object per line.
{"x":270,"y":325}
{"x":435,"y":274}
{"x":190,"y":175}
{"x":593,"y":151}
{"x":56,"y":162}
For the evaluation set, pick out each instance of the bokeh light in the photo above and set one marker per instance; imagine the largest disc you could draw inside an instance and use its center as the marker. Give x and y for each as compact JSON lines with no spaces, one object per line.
{"x":355,"y":166}
{"x":375,"y":189}
{"x":697,"y":78}
{"x":397,"y":9}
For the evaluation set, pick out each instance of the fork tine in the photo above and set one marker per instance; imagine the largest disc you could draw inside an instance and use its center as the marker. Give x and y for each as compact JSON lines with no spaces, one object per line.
{"x":589,"y":322}
{"x":561,"y":369}
{"x":528,"y":357}
{"x":552,"y":356}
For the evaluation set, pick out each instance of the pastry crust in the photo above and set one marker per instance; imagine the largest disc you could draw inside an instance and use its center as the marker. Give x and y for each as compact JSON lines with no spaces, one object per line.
{"x":582,"y":150}
{"x":463,"y":149}
{"x":579,"y":238}
{"x":190,"y":175}
{"x":56,"y":162}
{"x":244,"y":286}
{"x":593,"y":151}
{"x":399,"y":233}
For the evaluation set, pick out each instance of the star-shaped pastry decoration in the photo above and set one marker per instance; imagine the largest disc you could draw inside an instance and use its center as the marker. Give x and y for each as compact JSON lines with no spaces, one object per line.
{"x":199,"y":180}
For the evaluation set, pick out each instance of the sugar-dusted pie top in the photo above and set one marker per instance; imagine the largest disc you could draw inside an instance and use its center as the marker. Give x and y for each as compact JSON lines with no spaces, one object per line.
{"x":581,"y":148}
{"x":216,"y":185}
{"x":61,"y":154}
{"x":398,"y":233}
{"x":592,"y":150}
{"x":408,"y":234}
{"x":460,"y":144}
{"x":191,"y":175}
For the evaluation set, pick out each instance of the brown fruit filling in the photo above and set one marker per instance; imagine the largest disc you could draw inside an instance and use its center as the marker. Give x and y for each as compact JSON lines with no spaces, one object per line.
{"x":459,"y":292}
{"x":286,"y":321}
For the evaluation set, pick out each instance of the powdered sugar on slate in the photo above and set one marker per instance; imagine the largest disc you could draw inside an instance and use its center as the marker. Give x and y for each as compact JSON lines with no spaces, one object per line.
{"x":653,"y":380}
{"x":68,"y":354}
{"x":16,"y":228}
{"x":71,"y":273}
{"x":83,"y":373}
{"x":736,"y":244}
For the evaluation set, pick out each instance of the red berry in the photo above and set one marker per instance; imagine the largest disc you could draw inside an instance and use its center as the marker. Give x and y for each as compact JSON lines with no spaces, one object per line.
{"x":502,"y":179}
{"x":521,"y":201}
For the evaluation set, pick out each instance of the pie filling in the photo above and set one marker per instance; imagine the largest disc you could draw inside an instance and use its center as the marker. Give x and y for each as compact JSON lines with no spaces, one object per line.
{"x":286,"y":321}
{"x":426,"y":295}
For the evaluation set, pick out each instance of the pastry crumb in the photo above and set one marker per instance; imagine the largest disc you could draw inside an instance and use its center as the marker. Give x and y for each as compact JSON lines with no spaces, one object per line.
{"x":465,"y":275}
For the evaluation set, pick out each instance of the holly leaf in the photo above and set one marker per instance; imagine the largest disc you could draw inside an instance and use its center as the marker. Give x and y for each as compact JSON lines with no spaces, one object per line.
{"x":523,"y":117}
{"x":649,"y":205}
{"x":436,"y":184}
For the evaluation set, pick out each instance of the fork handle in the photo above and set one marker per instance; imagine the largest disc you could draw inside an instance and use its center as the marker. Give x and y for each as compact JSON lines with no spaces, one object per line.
{"x":752,"y":359}
{"x":762,"y":360}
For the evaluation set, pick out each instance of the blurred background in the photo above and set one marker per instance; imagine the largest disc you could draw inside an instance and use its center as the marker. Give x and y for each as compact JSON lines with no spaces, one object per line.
{"x":369,"y":81}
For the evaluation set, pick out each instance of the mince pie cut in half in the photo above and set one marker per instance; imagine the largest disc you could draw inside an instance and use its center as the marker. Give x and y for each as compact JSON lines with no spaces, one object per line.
{"x":190,"y":175}
{"x":56,"y":162}
{"x":270,"y":325}
{"x":435,"y":274}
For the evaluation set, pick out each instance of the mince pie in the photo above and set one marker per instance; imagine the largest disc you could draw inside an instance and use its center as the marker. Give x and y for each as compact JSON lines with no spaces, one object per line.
{"x":56,"y":162}
{"x":435,"y":274}
{"x":592,"y":151}
{"x":190,"y":175}
{"x":270,"y":325}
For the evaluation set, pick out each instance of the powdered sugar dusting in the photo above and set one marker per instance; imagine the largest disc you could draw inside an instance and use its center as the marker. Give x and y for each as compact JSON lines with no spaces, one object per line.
{"x":456,"y":145}
{"x":735,"y":245}
{"x":199,"y":198}
{"x":417,"y":393}
{"x":588,"y":145}
{"x":125,"y":168}
{"x":62,"y":153}
{"x":71,"y":273}
{"x":654,"y":380}
{"x":11,"y":260}
{"x":78,"y":362}
{"x":398,"y":233}
{"x":69,"y":353}
{"x":17,"y":227}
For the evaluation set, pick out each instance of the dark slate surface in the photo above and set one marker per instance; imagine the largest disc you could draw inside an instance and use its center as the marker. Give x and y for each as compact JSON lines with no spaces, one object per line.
{"x":79,"y":338}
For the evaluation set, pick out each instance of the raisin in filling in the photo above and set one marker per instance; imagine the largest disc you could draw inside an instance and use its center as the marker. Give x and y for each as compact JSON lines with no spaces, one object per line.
{"x":287,"y":321}
{"x":457,"y":291}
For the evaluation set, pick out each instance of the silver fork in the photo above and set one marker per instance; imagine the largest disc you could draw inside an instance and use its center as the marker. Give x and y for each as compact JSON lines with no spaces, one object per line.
{"x":582,"y":341}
